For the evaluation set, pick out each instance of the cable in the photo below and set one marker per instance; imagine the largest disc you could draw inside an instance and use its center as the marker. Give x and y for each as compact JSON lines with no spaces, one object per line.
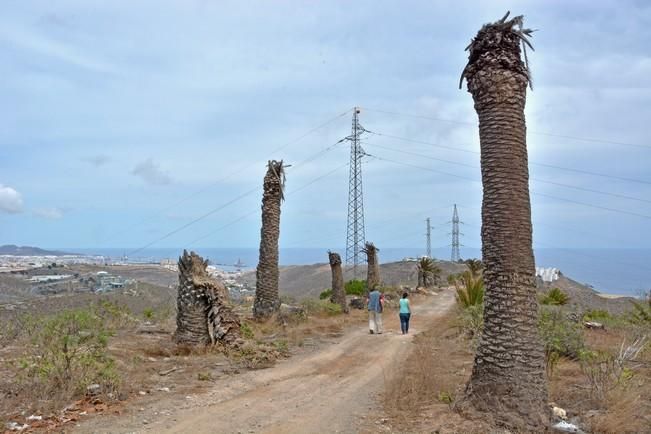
{"x":533,"y":179}
{"x":254,"y":211}
{"x":532,"y":192}
{"x":585,"y":172}
{"x":234,"y":172}
{"x":583,"y":139}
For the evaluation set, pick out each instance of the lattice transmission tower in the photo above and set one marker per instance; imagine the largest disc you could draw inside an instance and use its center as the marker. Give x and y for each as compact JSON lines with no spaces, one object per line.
{"x":428,"y":239}
{"x":355,"y":236}
{"x":455,"y":256}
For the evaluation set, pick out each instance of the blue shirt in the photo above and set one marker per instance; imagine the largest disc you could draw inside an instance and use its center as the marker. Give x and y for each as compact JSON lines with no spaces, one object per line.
{"x":404,"y":305}
{"x":374,"y":301}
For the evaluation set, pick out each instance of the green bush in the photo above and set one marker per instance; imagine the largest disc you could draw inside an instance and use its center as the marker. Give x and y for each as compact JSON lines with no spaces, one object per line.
{"x":642,"y":311}
{"x":559,"y":335}
{"x":321,"y":307}
{"x":355,"y":287}
{"x":69,"y":352}
{"x":470,"y":290}
{"x":555,"y":297}
{"x":598,"y":315}
{"x":148,"y":313}
{"x":246,"y":331}
{"x":325,"y":295}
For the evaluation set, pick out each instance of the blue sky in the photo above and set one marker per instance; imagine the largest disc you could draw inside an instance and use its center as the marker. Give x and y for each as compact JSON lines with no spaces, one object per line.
{"x":121,"y":122}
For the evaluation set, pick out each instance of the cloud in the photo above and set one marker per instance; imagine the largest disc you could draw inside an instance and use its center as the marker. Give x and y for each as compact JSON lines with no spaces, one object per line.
{"x":150,"y":172}
{"x":49,"y":213}
{"x":11,"y":201}
{"x":97,"y":160}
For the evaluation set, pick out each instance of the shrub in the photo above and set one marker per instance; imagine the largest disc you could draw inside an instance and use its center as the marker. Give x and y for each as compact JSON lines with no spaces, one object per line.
{"x":321,"y":307}
{"x":470,"y":290}
{"x":355,"y":287}
{"x":68,"y":353}
{"x":642,"y":311}
{"x":148,"y":313}
{"x":246,"y":331}
{"x":472,"y":320}
{"x":598,"y":315}
{"x":555,"y":297}
{"x":325,"y":295}
{"x":559,"y":335}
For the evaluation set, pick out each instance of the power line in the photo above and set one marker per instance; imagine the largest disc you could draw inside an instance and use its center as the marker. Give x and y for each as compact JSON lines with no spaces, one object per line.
{"x":242,"y":217}
{"x":568,"y":169}
{"x":621,"y":196}
{"x":532,"y":192}
{"x":234,"y":172}
{"x":562,"y":136}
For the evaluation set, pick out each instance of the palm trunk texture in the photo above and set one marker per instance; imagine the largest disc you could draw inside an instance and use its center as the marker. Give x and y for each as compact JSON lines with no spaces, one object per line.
{"x":338,"y":290}
{"x":373,"y":269}
{"x":203,"y":315}
{"x":267,"y":300}
{"x":508,"y":378}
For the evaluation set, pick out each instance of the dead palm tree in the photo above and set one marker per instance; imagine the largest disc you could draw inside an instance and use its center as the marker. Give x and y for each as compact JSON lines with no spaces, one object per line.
{"x":338,"y":290}
{"x":203,"y":314}
{"x":267,"y":300}
{"x":508,"y":378}
{"x":373,"y":268}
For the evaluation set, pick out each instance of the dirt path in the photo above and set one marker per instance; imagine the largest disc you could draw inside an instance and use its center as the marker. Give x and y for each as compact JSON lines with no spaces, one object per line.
{"x":329,"y":390}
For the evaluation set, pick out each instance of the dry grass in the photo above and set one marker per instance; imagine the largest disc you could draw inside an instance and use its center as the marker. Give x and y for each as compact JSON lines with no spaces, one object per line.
{"x":417,"y":395}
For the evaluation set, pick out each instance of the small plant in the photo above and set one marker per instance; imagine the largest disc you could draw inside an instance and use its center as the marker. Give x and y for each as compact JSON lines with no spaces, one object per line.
{"x":68,"y":353}
{"x":321,"y":307}
{"x":642,"y":311}
{"x":472,"y":321}
{"x":246,"y":331}
{"x":470,"y":290}
{"x":204,"y":376}
{"x":446,"y":397}
{"x":282,"y":347}
{"x":325,"y":295}
{"x":555,"y":297}
{"x":597,"y":315}
{"x":560,"y":336}
{"x":148,"y":313}
{"x":355,"y":287}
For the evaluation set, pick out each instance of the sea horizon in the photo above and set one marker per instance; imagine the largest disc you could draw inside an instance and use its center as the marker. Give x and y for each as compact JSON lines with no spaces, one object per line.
{"x":609,"y":270}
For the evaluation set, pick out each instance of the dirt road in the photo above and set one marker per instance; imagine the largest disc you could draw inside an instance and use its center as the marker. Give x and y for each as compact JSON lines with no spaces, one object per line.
{"x":329,"y":390}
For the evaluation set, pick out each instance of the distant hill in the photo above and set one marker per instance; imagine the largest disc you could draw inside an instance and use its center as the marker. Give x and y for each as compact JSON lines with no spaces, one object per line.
{"x":13,"y":250}
{"x":307,"y":281}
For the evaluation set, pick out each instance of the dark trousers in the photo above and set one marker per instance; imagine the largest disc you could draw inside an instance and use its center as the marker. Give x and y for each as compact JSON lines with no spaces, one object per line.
{"x":404,"y":322}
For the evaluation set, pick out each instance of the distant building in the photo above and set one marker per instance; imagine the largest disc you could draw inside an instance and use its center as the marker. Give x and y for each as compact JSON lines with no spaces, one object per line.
{"x":548,"y":274}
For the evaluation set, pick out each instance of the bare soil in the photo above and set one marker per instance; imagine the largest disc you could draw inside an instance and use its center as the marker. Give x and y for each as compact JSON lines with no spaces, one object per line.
{"x":334,"y":388}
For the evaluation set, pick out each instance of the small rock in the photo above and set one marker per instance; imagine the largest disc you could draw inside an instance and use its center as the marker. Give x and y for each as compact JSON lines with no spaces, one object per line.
{"x":151,"y":359}
{"x":33,"y":417}
{"x":559,"y":412}
{"x":163,"y":389}
{"x":145,"y":422}
{"x":142,"y":393}
{"x":13,"y":426}
{"x":94,"y":389}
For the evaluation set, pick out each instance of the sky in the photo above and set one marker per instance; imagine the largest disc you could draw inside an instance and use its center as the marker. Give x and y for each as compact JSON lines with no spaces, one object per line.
{"x":128,"y":124}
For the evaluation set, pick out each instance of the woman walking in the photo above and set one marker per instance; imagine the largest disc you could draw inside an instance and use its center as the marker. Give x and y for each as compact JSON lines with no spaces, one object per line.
{"x":405,"y":313}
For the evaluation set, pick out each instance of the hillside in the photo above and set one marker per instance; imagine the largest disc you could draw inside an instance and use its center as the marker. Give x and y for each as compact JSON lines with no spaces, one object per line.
{"x":13,"y":250}
{"x":306,"y":281}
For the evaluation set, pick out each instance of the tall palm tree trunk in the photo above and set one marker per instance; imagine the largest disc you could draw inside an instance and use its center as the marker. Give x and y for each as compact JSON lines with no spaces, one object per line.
{"x":267,"y":300}
{"x":508,"y":378}
{"x":373,"y":268}
{"x":338,"y":290}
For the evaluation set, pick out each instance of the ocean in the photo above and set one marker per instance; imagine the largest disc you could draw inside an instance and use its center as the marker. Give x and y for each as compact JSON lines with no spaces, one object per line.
{"x":614,"y":271}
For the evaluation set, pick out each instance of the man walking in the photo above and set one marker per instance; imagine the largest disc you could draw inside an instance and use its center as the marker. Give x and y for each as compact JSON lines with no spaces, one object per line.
{"x":375,"y":300}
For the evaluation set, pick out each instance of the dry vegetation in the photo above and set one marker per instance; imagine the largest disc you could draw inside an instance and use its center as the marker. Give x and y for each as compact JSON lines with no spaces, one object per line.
{"x":602,"y":390}
{"x":49,"y":362}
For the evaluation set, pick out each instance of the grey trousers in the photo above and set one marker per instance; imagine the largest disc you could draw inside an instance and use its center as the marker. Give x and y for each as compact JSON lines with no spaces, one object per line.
{"x":375,"y":321}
